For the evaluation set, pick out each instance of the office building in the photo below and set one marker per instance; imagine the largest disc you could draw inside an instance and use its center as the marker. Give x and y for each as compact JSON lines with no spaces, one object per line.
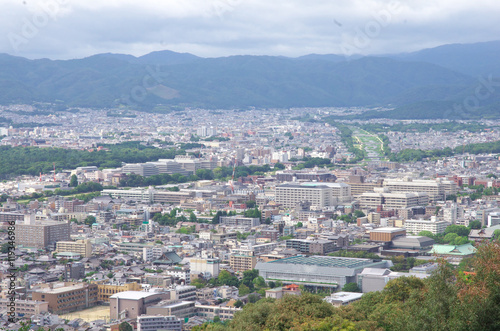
{"x":177,"y":308}
{"x":239,"y":221}
{"x":321,"y":247}
{"x":208,"y":267}
{"x":290,"y":194}
{"x":391,"y":200}
{"x":433,"y":225}
{"x":436,"y":189}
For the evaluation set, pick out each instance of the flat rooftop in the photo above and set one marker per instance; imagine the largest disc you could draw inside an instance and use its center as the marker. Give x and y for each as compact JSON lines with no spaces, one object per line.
{"x":133,"y":295}
{"x":325,"y":261}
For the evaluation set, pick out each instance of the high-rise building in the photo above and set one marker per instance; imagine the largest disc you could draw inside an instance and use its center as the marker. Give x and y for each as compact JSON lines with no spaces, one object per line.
{"x":41,"y":235}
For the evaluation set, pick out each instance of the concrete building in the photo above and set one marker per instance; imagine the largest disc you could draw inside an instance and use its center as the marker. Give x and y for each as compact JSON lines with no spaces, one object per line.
{"x":392,"y":200}
{"x":210,"y":312}
{"x":141,"y":169}
{"x":339,"y":299}
{"x":321,"y":247}
{"x":386,"y":234}
{"x":239,"y":221}
{"x":290,"y":194}
{"x":154,"y":323}
{"x":279,"y":292}
{"x":74,"y":271}
{"x":242,"y":262}
{"x":132,"y":304}
{"x":41,"y":235}
{"x":180,"y":274}
{"x":435,"y":226}
{"x":294,"y":175}
{"x":107,"y":290}
{"x":177,"y":308}
{"x":67,"y":297}
{"x":208,"y":267}
{"x":82,"y":247}
{"x":184,"y":293}
{"x":436,"y":189}
{"x":316,"y":272}
{"x":25,"y":308}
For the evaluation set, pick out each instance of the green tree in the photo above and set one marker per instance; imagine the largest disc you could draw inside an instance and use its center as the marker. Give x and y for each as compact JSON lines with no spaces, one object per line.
{"x":279,"y":166}
{"x":238,"y":303}
{"x":351,"y":287}
{"x":124,"y":326}
{"x":475,"y":224}
{"x":73,"y":182}
{"x":89,"y":220}
{"x":5,"y":248}
{"x":243,"y":290}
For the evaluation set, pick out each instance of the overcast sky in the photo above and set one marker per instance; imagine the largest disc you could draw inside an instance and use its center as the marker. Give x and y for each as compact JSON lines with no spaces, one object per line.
{"x":62,"y":29}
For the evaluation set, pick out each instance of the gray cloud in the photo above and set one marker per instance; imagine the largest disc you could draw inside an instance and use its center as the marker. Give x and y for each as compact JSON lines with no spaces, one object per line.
{"x":78,"y":28}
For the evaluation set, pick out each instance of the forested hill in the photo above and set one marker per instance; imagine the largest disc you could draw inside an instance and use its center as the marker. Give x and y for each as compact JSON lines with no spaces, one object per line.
{"x":416,"y":84}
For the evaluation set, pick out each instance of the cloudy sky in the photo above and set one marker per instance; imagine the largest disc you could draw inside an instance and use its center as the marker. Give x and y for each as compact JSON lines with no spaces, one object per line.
{"x":63,"y":29}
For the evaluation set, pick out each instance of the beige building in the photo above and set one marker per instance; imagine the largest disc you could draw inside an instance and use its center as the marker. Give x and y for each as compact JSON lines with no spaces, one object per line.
{"x":26,"y":308}
{"x":41,"y":234}
{"x":436,"y":189}
{"x":82,"y":247}
{"x":391,"y":200}
{"x":242,"y":262}
{"x":67,"y":297}
{"x":107,"y":290}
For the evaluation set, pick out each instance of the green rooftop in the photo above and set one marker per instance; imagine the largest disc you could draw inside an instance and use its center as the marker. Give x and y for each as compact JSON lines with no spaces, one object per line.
{"x":466,"y":249}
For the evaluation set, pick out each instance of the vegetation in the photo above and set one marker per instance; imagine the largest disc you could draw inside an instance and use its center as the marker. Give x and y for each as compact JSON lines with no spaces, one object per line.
{"x":33,"y":161}
{"x":448,"y":300}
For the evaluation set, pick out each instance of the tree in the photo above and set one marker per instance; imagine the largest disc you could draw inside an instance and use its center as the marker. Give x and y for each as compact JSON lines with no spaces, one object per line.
{"x":5,"y":248}
{"x":253,"y":298}
{"x":461,"y":230}
{"x":243,"y":290}
{"x":193,"y":218}
{"x":250,"y":204}
{"x":299,"y":224}
{"x":279,"y":166}
{"x":89,"y":220}
{"x":475,"y":224}
{"x":351,"y":287}
{"x":259,"y":282}
{"x":73,"y":182}
{"x":238,"y":303}
{"x":124,"y":326}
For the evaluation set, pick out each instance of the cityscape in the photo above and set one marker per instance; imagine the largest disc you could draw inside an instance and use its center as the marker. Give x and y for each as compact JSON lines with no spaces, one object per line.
{"x":286,"y":177}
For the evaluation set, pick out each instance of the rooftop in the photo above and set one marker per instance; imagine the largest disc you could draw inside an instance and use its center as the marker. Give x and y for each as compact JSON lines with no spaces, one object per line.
{"x":132,"y":295}
{"x":325,"y":261}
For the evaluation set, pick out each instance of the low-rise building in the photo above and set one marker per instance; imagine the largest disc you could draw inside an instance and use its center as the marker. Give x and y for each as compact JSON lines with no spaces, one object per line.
{"x":153,"y":323}
{"x":67,"y":297}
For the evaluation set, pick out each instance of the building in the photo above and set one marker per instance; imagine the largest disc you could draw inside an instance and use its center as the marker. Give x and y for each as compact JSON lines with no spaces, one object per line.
{"x":239,"y":221}
{"x":177,"y":308}
{"x":386,"y":234}
{"x":294,"y":175}
{"x":67,"y":297}
{"x":208,"y":267}
{"x":107,"y":290}
{"x":42,"y":235}
{"x":132,"y":304}
{"x":279,"y":292}
{"x":343,"y":298}
{"x":25,"y":308}
{"x":321,"y":246}
{"x":316,"y":272}
{"x":210,"y":312}
{"x":392,"y":200}
{"x":433,"y":225}
{"x":184,"y":293}
{"x":242,"y":262}
{"x":437,"y":189}
{"x":153,"y":323}
{"x":82,"y":247}
{"x":74,"y":271}
{"x":289,"y":194}
{"x":141,"y":169}
{"x":417,"y":243}
{"x":180,"y":274}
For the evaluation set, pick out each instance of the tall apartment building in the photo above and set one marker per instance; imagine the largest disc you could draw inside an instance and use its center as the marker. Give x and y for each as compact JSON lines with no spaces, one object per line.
{"x":321,"y":247}
{"x":153,"y":323}
{"x":41,"y":234}
{"x":82,"y":247}
{"x":242,"y":262}
{"x":67,"y":297}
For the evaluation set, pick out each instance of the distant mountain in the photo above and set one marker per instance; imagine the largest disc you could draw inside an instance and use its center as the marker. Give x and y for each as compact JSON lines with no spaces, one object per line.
{"x":471,"y":59}
{"x":417,"y":84}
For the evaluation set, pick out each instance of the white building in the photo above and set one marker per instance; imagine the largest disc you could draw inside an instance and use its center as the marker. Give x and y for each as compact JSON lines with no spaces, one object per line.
{"x":434,"y":226}
{"x":208,"y":267}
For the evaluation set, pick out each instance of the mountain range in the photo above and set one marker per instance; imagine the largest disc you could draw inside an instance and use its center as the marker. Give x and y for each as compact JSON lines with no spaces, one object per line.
{"x":431,"y":83}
